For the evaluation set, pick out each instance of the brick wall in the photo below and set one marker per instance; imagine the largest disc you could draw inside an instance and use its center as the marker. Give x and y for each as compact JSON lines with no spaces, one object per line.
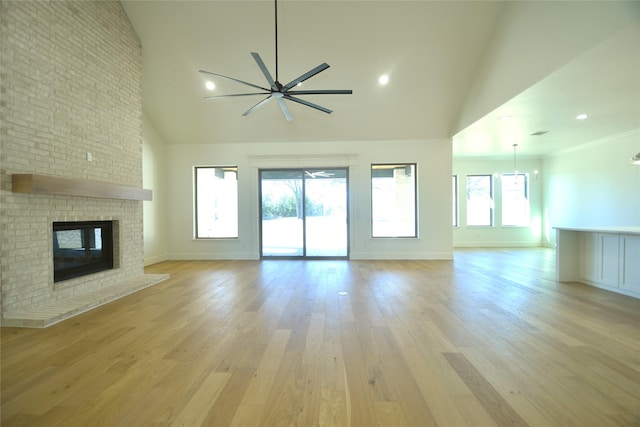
{"x":70,"y":84}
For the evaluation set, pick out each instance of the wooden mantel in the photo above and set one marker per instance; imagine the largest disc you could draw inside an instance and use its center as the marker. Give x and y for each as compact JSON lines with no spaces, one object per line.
{"x":42,"y":184}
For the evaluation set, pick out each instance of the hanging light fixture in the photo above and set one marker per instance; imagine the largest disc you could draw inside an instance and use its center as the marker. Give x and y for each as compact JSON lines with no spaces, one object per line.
{"x":635,"y":160}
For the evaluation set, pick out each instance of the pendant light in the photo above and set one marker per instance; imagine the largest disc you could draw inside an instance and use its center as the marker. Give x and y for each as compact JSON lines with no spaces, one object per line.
{"x":635,"y":160}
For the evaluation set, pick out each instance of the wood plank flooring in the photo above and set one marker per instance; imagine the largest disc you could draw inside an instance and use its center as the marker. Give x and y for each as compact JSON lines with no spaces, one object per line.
{"x":490,"y":339}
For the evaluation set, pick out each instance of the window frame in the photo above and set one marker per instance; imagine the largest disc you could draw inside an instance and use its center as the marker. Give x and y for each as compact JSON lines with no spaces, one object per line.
{"x":455,"y":204}
{"x":196,"y":231}
{"x":491,"y":197}
{"x":527,"y":193}
{"x":396,"y":165}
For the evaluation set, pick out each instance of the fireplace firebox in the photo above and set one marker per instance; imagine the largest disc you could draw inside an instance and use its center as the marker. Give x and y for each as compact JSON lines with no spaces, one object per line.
{"x":81,"y":248}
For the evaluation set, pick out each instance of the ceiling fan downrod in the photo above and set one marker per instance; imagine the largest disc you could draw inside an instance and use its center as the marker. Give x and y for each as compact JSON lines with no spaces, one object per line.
{"x":276,"y":32}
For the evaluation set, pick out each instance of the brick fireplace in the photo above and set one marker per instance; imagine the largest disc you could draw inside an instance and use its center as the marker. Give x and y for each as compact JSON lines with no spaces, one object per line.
{"x":71,"y":108}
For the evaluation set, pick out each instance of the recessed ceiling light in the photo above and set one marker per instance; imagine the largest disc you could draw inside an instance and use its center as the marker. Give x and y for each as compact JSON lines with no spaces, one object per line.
{"x":383,"y":79}
{"x":581,"y":116}
{"x":210,"y":85}
{"x":501,"y":118}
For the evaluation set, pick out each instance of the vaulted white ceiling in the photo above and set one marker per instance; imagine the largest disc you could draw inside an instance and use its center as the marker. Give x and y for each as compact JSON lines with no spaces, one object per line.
{"x":433,"y":52}
{"x":603,"y":82}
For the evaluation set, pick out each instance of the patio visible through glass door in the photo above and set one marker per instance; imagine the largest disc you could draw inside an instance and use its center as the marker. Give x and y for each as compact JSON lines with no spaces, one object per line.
{"x":304,"y":213}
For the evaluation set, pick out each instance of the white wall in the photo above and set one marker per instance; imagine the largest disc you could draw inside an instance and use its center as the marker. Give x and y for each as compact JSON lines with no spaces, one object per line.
{"x":154,"y":172}
{"x":434,"y":177}
{"x":497,"y":235}
{"x":591,"y":186}
{"x":594,"y":185}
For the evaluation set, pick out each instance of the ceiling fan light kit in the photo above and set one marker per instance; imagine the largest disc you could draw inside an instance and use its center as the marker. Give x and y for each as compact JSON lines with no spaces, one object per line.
{"x":277,"y":90}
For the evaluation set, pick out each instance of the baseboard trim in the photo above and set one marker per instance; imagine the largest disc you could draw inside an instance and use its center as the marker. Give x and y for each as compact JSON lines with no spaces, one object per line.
{"x":402,"y":256}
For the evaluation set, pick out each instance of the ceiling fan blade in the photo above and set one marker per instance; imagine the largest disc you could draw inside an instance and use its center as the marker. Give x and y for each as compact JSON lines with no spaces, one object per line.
{"x":321,"y":92}
{"x":235,"y":80}
{"x":305,"y":76}
{"x":264,"y":70}
{"x":307,"y":103}
{"x":285,"y":110}
{"x":259,"y":104}
{"x":234,"y":95}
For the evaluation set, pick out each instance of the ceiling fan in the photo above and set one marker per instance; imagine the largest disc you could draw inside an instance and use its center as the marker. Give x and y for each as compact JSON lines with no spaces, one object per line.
{"x":277,"y":90}
{"x":318,"y":174}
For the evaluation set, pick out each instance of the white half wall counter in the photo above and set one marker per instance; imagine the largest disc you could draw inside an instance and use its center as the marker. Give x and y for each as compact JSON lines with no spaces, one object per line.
{"x":605,"y":257}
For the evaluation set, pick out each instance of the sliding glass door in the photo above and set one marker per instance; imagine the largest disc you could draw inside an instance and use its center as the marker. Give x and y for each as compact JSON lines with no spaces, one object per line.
{"x":326,"y":212}
{"x":282,"y":225}
{"x":304,"y":213}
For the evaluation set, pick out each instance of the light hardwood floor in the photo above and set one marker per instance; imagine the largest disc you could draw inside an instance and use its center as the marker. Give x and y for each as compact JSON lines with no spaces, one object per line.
{"x":488,"y":340}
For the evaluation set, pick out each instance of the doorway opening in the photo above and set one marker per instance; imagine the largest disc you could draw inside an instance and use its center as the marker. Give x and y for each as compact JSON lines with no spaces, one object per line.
{"x":304,"y":213}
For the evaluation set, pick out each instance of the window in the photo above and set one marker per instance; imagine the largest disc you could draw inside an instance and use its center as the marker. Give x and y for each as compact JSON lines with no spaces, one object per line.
{"x":216,"y":202}
{"x":393,"y":200}
{"x":454,"y":192}
{"x":515,"y":199}
{"x":479,"y":200}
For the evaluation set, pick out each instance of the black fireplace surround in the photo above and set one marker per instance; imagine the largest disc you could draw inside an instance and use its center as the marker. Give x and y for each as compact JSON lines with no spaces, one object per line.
{"x":81,"y":248}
